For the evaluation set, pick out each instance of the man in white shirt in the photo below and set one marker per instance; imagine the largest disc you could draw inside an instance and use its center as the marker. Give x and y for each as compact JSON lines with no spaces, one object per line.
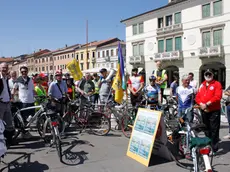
{"x":5,"y":108}
{"x":25,"y":88}
{"x":193,"y":83}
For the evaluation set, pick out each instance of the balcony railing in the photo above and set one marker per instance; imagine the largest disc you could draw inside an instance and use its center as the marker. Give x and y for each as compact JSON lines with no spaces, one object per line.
{"x":168,"y":29}
{"x":136,"y":60}
{"x":107,"y":59}
{"x":173,"y":55}
{"x":211,"y":51}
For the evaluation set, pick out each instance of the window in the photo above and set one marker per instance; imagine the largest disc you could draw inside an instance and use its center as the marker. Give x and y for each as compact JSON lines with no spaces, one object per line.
{"x":98,"y":54}
{"x":217,"y":8}
{"x":160,"y":22}
{"x":58,"y":57}
{"x":88,"y":55}
{"x":47,"y":59}
{"x":93,"y":54}
{"x":217,"y":37}
{"x":138,"y":49}
{"x":51,"y":59}
{"x":51,"y":67}
{"x":112,"y":65}
{"x":68,"y":55}
{"x":107,"y":53}
{"x":103,"y":53}
{"x":141,"y":28}
{"x":111,"y":52}
{"x":116,"y":52}
{"x":81,"y":64}
{"x":39,"y":69}
{"x":135,"y":29}
{"x":47,"y":68}
{"x":54,"y":67}
{"x":81,"y":56}
{"x":138,"y":28}
{"x":77,"y":56}
{"x":72,"y":55}
{"x":168,"y":20}
{"x":36,"y":69}
{"x":43,"y":68}
{"x":36,"y":61}
{"x":206,"y":11}
{"x":32,"y":60}
{"x":169,"y":45}
{"x":178,"y":43}
{"x":65,"y":56}
{"x":87,"y":65}
{"x":54,"y":58}
{"x":43,"y":60}
{"x":160,"y":46}
{"x":206,"y":39}
{"x":177,"y":18}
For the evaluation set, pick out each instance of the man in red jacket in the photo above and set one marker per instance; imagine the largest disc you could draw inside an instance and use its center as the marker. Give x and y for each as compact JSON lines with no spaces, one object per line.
{"x":208,"y":97}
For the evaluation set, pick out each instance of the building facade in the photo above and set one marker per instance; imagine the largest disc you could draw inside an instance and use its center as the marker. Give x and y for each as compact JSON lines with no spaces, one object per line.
{"x":187,"y":35}
{"x":107,"y":55}
{"x":44,"y":63}
{"x":62,"y":57}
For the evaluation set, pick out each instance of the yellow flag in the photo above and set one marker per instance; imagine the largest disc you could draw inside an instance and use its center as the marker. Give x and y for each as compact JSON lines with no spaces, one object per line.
{"x":118,"y":87}
{"x":74,"y":69}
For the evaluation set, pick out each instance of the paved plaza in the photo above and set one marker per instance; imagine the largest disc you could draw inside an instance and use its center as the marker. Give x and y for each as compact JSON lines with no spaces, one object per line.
{"x":87,"y":153}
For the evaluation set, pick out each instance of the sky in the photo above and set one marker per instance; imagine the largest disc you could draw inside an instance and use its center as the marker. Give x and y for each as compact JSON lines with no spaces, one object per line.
{"x":29,"y":25}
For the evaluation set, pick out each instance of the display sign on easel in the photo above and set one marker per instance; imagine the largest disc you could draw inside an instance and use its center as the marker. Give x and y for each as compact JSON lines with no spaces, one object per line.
{"x":143,"y":136}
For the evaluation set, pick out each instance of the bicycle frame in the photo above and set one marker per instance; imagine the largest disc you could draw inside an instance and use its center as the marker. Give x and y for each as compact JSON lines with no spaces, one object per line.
{"x":19,"y":116}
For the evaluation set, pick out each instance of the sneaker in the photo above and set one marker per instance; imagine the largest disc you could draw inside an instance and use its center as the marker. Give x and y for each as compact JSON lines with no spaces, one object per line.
{"x":26,"y":135}
{"x":227,"y":136}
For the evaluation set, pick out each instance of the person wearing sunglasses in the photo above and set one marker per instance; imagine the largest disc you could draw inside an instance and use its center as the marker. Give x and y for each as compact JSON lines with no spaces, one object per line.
{"x":208,"y":97}
{"x":25,"y":87}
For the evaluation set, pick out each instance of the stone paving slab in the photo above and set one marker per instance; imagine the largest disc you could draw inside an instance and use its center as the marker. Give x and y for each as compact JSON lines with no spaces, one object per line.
{"x":96,"y":153}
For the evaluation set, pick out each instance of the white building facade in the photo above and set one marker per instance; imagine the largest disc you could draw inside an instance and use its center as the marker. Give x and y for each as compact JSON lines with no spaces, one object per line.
{"x":107,"y":55}
{"x":186,"y":35}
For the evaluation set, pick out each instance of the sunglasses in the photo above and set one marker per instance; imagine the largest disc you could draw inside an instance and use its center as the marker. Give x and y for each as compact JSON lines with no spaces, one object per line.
{"x":208,"y":74}
{"x":24,"y":71}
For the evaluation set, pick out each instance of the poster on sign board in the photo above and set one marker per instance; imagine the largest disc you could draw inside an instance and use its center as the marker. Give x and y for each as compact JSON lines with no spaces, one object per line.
{"x":143,"y":135}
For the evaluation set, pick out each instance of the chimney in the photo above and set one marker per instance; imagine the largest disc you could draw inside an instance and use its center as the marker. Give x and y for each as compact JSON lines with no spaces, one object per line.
{"x":170,"y":1}
{"x":40,"y":49}
{"x":66,"y":45}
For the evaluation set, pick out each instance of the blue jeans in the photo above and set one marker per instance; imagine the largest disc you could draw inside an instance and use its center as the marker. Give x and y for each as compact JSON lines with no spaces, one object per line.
{"x":186,"y":116}
{"x":228,"y":116}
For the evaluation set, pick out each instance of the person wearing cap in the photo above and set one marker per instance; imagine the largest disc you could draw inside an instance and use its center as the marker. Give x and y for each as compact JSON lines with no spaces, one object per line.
{"x":208,"y":97}
{"x":135,"y":86}
{"x":25,"y":87}
{"x":185,"y":97}
{"x":45,"y":80}
{"x":153,"y":92}
{"x":96,"y":84}
{"x":105,"y":86}
{"x":162,"y":77}
{"x":40,"y":90}
{"x":58,"y":91}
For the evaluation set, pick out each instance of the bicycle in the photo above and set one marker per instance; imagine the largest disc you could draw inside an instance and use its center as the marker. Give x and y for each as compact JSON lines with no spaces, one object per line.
{"x":188,"y":142}
{"x":86,"y":116}
{"x":53,"y":123}
{"x":21,"y":126}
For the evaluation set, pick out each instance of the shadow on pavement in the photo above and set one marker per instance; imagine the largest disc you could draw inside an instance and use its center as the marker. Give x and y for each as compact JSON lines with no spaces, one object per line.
{"x":156,"y":160}
{"x":29,"y":145}
{"x":224,"y":148}
{"x":113,"y":135}
{"x":25,"y":166}
{"x":75,"y":158}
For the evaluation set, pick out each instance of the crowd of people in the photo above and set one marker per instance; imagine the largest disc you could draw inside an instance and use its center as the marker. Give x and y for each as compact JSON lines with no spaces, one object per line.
{"x":24,"y":91}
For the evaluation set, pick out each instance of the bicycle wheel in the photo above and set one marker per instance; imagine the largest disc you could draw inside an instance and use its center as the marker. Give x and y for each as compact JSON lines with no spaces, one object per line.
{"x":40,"y":124}
{"x":126,"y":125}
{"x":99,"y":124}
{"x":57,"y":142}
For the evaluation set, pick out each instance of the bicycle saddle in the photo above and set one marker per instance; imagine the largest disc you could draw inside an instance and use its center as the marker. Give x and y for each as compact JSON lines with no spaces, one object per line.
{"x":199,"y":127}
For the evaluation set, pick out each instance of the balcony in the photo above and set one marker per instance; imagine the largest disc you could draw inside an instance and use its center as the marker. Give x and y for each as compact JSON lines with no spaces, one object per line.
{"x":173,"y":55}
{"x":211,"y":51}
{"x":169,"y":29}
{"x":136,"y":60}
{"x":107,"y":59}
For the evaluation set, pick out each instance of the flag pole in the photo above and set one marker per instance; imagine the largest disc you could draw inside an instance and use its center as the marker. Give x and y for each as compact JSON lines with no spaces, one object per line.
{"x":86,"y":42}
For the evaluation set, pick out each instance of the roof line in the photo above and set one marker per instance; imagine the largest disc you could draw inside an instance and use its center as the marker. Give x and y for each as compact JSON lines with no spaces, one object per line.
{"x":154,"y":10}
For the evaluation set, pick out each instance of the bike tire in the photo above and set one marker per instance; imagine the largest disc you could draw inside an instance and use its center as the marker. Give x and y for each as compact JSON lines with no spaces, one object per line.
{"x":106,"y":121}
{"x":40,"y":124}
{"x":58,"y":144}
{"x":125,"y":122}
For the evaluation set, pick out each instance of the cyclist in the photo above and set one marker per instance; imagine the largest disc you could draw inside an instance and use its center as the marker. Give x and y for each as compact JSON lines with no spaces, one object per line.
{"x":40,"y":90}
{"x":153,"y":92}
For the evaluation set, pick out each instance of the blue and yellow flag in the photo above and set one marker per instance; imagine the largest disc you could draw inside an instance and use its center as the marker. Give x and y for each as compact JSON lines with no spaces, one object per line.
{"x":75,"y":70}
{"x":119,"y":83}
